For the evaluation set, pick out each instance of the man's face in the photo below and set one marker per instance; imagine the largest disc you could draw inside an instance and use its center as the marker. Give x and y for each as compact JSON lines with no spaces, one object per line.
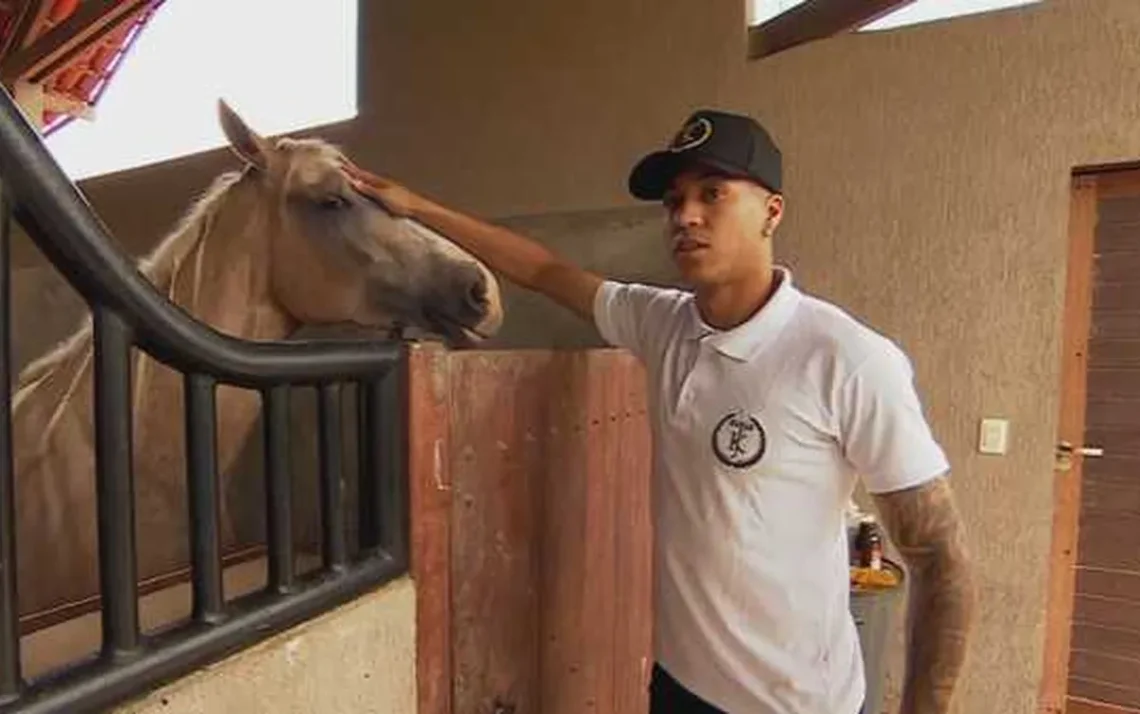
{"x":719,"y":227}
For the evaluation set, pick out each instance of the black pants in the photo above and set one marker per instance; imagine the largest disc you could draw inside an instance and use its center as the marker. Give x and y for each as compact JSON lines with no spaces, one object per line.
{"x":668,"y":696}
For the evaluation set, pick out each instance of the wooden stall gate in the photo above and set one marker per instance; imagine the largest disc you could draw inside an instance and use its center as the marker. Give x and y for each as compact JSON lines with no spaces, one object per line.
{"x":530,"y":531}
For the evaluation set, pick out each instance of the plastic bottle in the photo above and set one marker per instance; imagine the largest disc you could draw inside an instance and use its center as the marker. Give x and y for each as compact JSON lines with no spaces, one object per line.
{"x":869,"y":544}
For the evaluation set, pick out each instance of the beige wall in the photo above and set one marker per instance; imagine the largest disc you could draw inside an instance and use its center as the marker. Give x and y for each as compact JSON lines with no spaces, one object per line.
{"x":927,"y":185}
{"x":357,"y":659}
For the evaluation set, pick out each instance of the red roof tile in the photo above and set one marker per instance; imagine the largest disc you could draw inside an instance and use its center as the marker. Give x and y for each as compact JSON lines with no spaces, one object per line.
{"x":85,"y":76}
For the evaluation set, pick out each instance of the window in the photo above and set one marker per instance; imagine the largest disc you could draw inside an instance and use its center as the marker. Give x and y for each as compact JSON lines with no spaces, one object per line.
{"x":281,"y":64}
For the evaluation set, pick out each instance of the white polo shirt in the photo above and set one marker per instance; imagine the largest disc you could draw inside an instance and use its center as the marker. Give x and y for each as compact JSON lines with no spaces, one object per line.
{"x":759,"y":433}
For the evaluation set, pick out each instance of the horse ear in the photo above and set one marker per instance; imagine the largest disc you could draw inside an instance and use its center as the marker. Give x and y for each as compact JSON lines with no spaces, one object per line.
{"x":245,"y":142}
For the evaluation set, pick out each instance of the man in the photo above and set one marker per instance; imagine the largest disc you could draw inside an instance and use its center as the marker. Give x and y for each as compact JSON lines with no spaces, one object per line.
{"x":766,"y":402}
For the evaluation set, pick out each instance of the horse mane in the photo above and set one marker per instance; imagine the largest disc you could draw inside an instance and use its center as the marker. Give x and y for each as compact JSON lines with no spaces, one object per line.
{"x":160,"y":267}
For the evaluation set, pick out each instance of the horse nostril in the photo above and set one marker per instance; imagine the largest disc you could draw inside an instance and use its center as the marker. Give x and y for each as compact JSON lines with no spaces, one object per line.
{"x":477,"y":293}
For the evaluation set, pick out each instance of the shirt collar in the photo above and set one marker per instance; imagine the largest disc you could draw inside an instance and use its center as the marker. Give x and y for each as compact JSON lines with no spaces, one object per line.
{"x":750,"y":337}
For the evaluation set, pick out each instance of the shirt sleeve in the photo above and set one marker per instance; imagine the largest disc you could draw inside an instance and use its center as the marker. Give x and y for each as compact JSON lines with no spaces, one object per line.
{"x":627,"y":315}
{"x":885,"y":434}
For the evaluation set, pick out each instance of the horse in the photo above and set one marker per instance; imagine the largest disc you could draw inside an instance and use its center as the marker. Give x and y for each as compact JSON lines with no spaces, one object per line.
{"x":281,"y":244}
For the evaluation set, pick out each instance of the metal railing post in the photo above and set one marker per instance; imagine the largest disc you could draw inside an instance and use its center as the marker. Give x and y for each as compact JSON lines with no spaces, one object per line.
{"x":10,"y":681}
{"x":333,"y":548}
{"x":114,"y":483}
{"x":202,"y":486}
{"x":278,"y":489}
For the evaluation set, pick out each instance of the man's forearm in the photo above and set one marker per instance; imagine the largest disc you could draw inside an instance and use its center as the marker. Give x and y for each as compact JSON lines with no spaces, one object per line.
{"x":516,"y":257}
{"x":925,"y":527}
{"x":523,"y":261}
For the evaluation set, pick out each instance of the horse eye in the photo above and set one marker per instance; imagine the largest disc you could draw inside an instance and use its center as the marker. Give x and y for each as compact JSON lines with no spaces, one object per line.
{"x":333,"y":202}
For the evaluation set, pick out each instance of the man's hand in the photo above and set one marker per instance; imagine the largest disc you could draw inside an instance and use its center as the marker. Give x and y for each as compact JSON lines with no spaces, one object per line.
{"x":522,"y":260}
{"x":924,"y":525}
{"x":397,"y":199}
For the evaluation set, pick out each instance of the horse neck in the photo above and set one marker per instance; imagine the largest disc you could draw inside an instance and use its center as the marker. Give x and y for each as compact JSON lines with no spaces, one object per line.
{"x":222,"y":277}
{"x":215,"y":266}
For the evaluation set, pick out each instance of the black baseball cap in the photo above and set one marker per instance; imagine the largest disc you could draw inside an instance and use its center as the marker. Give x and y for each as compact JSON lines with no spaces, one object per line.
{"x":733,"y":143}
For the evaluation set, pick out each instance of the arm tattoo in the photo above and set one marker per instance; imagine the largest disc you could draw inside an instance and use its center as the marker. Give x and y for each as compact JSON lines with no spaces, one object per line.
{"x":924,"y":525}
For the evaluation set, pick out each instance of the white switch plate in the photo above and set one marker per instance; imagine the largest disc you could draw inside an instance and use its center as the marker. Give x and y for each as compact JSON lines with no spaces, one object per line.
{"x":994,"y":436}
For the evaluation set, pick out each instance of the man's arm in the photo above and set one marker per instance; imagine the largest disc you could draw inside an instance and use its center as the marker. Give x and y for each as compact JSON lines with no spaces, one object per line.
{"x":521,"y":260}
{"x":924,"y":524}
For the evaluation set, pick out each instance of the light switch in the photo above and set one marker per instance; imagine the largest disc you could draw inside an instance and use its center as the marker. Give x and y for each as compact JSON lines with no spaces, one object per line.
{"x":994,"y":437}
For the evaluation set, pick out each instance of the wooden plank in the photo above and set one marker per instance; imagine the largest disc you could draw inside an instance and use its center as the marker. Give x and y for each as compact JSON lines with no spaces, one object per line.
{"x":1117,"y":249}
{"x":1117,"y":384}
{"x":578,"y":617}
{"x":497,"y":457}
{"x":1115,"y":297}
{"x":1119,"y":207}
{"x":1119,"y":671}
{"x":1113,"y":467}
{"x":1076,"y":705}
{"x":1115,"y":237}
{"x":1110,"y":540}
{"x":1125,"y":439}
{"x":1071,"y":427}
{"x":1114,"y":324}
{"x":1108,"y":641}
{"x":1110,"y":497}
{"x":30,"y":15}
{"x":1119,"y":584}
{"x":633,"y":564}
{"x":1121,"y":266}
{"x":1111,"y":415}
{"x":430,"y":498}
{"x":1114,"y":182}
{"x":1106,"y":353}
{"x":551,"y":542}
{"x":1095,"y":690}
{"x":1106,"y":612}
{"x":597,"y":557}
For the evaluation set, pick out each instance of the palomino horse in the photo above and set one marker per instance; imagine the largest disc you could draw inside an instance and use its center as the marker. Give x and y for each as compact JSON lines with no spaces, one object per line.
{"x":282,"y":244}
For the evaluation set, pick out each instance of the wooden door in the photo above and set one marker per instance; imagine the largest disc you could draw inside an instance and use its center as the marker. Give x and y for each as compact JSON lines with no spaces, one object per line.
{"x":531,"y":531}
{"x":1093,"y":636}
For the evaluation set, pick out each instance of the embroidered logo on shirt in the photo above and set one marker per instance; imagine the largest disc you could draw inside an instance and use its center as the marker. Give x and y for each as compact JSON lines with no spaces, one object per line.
{"x":739,"y":440}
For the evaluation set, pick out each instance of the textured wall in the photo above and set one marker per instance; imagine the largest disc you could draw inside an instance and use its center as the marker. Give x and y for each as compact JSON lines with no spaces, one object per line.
{"x":932,"y":169}
{"x":927,"y":179}
{"x":356,"y":659}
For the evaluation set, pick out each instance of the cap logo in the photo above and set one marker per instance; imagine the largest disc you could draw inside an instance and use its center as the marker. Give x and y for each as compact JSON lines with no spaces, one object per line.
{"x":692,"y":135}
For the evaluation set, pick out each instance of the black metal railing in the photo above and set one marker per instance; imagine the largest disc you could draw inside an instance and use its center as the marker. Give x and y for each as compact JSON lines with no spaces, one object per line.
{"x":129,"y":312}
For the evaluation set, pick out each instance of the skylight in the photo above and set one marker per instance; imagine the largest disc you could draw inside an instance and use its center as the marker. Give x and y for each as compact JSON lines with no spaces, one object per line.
{"x":931,"y":10}
{"x":760,"y":11}
{"x":282,"y":65}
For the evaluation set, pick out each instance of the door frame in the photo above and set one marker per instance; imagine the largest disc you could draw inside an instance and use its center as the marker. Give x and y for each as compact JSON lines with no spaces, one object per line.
{"x":1087,"y":186}
{"x":1076,"y":322}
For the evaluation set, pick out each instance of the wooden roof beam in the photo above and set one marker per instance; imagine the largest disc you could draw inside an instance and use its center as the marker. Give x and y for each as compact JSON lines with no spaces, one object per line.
{"x":31,"y":14}
{"x":815,"y":20}
{"x":90,"y":22}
